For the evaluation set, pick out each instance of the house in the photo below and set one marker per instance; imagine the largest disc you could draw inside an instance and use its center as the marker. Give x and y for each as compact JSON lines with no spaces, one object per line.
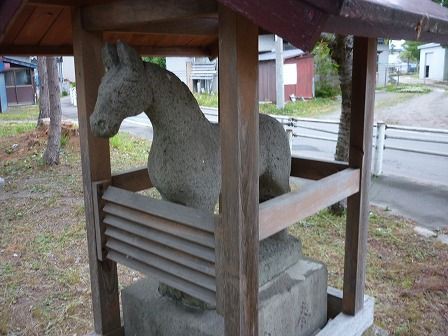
{"x":298,"y":75}
{"x":382,"y":63}
{"x":16,"y":81}
{"x":434,"y":61}
{"x":200,"y":74}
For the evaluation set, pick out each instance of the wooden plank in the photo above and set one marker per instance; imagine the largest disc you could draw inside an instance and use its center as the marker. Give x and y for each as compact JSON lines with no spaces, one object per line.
{"x":161,"y":224}
{"x":195,"y":218}
{"x":360,"y":157}
{"x":26,"y":50}
{"x":315,"y":169}
{"x":174,"y":242}
{"x":37,"y":25}
{"x":162,"y":264}
{"x":132,"y":12}
{"x":98,"y":204}
{"x":164,"y":251}
{"x":168,"y":279}
{"x":132,"y":180}
{"x":13,"y":27}
{"x":95,"y":161}
{"x":237,"y":235}
{"x":279,"y":213}
{"x":201,"y":26}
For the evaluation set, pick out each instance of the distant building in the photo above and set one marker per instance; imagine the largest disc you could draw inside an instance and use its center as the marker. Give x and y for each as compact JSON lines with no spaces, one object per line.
{"x":298,"y":75}
{"x":434,"y":61}
{"x":382,"y":63}
{"x":16,"y":81}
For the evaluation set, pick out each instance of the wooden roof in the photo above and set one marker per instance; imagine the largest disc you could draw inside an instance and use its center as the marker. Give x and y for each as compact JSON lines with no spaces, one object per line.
{"x":190,"y":27}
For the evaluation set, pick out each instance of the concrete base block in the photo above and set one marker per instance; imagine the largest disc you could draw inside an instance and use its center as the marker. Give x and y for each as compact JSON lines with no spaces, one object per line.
{"x":293,"y":303}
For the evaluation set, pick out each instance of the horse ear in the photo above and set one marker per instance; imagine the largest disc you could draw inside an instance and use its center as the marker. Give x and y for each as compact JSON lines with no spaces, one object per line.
{"x":110,"y":56}
{"x":128,"y":56}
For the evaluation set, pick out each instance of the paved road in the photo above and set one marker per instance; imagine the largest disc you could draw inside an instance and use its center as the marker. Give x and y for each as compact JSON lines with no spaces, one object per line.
{"x":414,"y":185}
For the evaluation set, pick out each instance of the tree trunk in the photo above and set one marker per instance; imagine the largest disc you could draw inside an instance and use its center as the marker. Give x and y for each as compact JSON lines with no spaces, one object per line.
{"x":51,"y":155}
{"x":342,"y":54}
{"x":44,"y":100}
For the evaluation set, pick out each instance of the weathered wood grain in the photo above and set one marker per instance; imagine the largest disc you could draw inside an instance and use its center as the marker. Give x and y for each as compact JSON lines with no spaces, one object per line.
{"x":164,"y":251}
{"x":360,"y":157}
{"x":279,"y":213}
{"x":237,"y":235}
{"x":95,"y":161}
{"x":132,"y":180}
{"x":185,"y":286}
{"x":194,"y":218}
{"x":178,"y":243}
{"x":314,"y":169}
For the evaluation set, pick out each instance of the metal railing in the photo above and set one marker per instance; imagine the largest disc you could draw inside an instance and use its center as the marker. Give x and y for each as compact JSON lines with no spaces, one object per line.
{"x":383,"y":135}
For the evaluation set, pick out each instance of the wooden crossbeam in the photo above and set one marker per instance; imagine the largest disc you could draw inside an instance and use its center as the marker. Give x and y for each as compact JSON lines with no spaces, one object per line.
{"x":136,"y":12}
{"x":279,"y":213}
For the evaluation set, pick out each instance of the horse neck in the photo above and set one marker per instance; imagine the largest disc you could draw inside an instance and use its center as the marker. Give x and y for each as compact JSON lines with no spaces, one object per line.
{"x":172,"y":104}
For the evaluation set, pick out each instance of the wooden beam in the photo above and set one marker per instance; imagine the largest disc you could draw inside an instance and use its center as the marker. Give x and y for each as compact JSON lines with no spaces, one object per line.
{"x":237,"y":235}
{"x":200,"y":26}
{"x":315,"y":169}
{"x":132,"y":180}
{"x":283,"y":211}
{"x":360,"y":157}
{"x":95,"y":159}
{"x":26,"y":50}
{"x":135,"y":12}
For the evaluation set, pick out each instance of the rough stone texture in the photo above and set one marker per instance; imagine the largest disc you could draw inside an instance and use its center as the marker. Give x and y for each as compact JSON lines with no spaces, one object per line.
{"x":184,"y":160}
{"x":294,"y":303}
{"x":277,"y":254}
{"x":2,"y":182}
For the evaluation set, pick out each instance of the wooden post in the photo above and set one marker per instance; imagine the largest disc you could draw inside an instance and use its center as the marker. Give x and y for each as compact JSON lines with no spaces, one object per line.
{"x":237,"y":236}
{"x":360,"y":156}
{"x":95,"y":158}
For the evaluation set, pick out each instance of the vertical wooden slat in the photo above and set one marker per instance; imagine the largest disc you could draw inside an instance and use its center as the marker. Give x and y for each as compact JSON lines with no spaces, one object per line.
{"x":237,"y":237}
{"x":360,"y":156}
{"x":95,"y":160}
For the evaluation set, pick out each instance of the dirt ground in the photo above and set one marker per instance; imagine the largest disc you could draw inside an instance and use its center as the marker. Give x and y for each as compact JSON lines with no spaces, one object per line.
{"x":421,"y":110}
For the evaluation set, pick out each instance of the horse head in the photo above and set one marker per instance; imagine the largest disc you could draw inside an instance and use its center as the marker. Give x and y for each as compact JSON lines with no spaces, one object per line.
{"x":123,"y":92}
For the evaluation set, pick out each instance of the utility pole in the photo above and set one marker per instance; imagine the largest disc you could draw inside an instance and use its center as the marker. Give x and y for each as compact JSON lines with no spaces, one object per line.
{"x":279,"y":87}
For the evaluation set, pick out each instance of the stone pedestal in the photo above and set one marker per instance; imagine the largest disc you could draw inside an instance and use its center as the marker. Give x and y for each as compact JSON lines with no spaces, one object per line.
{"x":292,"y":300}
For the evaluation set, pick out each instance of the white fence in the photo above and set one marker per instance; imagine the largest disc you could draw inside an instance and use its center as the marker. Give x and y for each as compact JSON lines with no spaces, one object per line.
{"x":384,"y":136}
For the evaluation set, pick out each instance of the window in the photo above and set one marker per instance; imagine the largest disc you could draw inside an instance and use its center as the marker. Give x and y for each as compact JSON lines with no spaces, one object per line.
{"x":23,"y":77}
{"x":9,"y":78}
{"x":18,"y":77}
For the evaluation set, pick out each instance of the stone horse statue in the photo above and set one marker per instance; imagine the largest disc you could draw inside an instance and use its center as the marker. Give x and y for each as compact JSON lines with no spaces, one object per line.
{"x":184,"y":162}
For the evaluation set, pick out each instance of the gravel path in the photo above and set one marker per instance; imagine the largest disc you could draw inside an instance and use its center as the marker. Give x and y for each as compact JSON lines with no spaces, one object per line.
{"x":422,"y":110}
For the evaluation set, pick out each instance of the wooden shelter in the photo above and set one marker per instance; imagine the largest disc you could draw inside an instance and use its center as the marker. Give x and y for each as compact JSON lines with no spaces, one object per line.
{"x":224,"y":268}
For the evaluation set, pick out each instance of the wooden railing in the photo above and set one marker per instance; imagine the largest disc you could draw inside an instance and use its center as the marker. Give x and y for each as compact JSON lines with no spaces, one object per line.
{"x":176,"y":243}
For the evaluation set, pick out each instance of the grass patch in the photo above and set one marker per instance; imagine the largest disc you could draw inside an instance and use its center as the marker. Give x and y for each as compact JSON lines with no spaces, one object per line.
{"x":303,"y":108}
{"x":11,"y":128}
{"x":126,"y":148}
{"x":406,"y":274}
{"x":26,"y":112}
{"x":204,"y":99}
{"x":407,"y":88}
{"x":306,"y":108}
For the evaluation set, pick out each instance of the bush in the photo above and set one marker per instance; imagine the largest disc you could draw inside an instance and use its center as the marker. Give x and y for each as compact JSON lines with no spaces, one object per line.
{"x":327,"y":92}
{"x":64,"y":93}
